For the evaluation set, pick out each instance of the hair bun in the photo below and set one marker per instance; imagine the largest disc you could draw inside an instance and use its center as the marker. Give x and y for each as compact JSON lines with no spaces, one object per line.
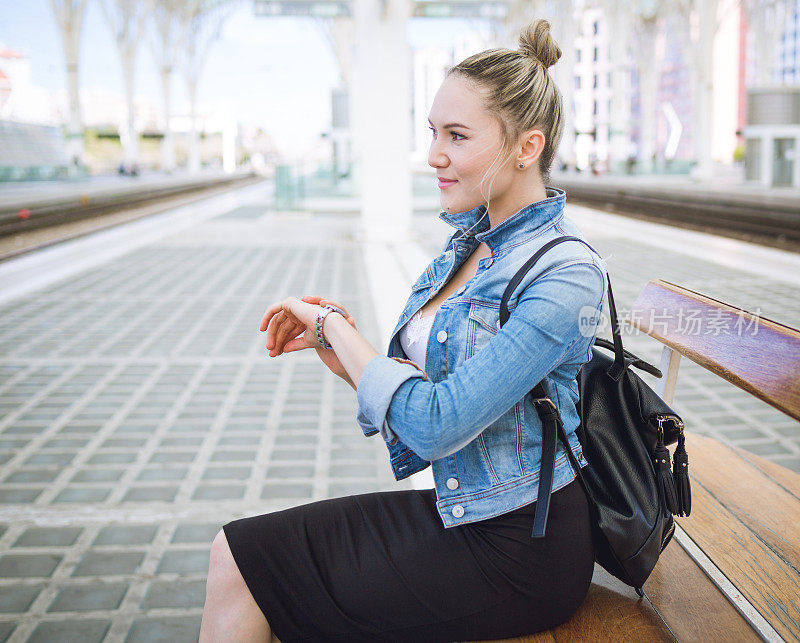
{"x":535,"y":41}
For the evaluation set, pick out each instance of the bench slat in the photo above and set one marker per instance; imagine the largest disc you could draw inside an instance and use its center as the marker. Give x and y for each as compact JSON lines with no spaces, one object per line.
{"x":690,"y":604}
{"x":748,"y":522}
{"x":757,"y":354}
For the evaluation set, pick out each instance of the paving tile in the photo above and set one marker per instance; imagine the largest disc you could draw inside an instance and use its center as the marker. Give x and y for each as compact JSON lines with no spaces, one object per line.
{"x":218,"y":492}
{"x":153,"y":475}
{"x":765,"y":448}
{"x":101,"y":563}
{"x":18,"y":597}
{"x":82,"y":494}
{"x":19,"y":496}
{"x":277,"y":490}
{"x":28,"y":565}
{"x":184,"y":561}
{"x":228,"y":456}
{"x":58,"y":459}
{"x":48,"y":537}
{"x":148,"y":494}
{"x":196,"y":533}
{"x":281,"y":472}
{"x":6,"y":630}
{"x":98,"y":475}
{"x":112,"y":458}
{"x":85,"y":597}
{"x":174,"y":594}
{"x":172,"y":456}
{"x":226,"y":473}
{"x":32,"y":475}
{"x":176,"y":629}
{"x":126,"y":535}
{"x":70,"y":631}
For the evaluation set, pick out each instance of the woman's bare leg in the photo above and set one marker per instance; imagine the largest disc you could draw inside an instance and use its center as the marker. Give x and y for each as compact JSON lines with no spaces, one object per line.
{"x":230,"y":613}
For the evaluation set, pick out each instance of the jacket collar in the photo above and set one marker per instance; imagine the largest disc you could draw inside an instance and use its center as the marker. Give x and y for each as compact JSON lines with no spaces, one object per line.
{"x":475,"y":222}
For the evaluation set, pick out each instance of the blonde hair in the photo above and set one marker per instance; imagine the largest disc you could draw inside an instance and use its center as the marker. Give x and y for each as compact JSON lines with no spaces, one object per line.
{"x":519,"y":92}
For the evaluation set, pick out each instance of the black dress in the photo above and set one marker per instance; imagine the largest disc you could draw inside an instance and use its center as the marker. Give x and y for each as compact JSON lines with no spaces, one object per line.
{"x":382,"y":567}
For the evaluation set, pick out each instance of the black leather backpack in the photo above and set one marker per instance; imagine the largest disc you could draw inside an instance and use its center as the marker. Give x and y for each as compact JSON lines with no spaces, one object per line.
{"x":624,"y":429}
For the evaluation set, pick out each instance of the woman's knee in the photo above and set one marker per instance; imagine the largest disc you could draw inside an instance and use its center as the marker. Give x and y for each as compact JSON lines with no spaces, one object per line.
{"x":222,"y":568}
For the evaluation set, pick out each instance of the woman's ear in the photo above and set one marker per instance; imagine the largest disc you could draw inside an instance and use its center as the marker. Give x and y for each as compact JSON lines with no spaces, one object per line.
{"x":532,"y":147}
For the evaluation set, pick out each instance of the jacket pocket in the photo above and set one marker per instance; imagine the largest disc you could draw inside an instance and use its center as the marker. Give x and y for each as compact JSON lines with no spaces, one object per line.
{"x":484,"y":322}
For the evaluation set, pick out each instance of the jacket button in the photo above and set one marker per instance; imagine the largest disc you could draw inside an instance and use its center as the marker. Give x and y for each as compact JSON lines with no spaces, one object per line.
{"x":497,"y":323}
{"x":458,"y":511}
{"x":452,"y":483}
{"x":441,"y":336}
{"x":461,"y":290}
{"x":490,"y":262}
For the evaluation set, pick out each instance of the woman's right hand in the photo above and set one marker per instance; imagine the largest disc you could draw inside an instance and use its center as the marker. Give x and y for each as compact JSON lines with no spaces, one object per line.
{"x":328,"y":356}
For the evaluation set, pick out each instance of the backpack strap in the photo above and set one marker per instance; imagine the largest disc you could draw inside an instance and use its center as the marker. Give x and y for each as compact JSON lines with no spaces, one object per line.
{"x":552,"y":427}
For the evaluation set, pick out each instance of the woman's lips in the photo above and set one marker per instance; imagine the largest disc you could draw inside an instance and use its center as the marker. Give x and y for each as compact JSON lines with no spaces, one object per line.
{"x":446,"y":184}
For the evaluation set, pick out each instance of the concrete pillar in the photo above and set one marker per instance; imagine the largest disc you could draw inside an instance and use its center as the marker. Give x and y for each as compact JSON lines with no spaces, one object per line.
{"x":382,"y":127}
{"x":796,"y":162}
{"x":619,"y":25}
{"x":766,"y":160}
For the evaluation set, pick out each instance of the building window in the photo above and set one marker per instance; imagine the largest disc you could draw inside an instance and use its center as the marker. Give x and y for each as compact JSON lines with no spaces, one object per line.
{"x":594,"y":27}
{"x":578,"y":59}
{"x":596,"y":81}
{"x":595,"y":108}
{"x":577,"y":82}
{"x":595,"y":54}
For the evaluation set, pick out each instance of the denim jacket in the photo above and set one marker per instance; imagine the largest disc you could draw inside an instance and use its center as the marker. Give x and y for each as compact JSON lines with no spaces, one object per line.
{"x":467,"y":411}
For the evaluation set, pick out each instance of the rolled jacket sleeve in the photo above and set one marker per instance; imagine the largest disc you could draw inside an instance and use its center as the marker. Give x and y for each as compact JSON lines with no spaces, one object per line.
{"x":380,"y":378}
{"x":437,"y":419}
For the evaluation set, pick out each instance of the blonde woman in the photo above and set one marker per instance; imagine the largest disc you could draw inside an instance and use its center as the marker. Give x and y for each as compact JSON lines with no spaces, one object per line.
{"x":456,"y":562}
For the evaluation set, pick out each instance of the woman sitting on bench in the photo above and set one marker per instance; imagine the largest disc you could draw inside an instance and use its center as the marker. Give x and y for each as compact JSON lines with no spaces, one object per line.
{"x":458,"y":561}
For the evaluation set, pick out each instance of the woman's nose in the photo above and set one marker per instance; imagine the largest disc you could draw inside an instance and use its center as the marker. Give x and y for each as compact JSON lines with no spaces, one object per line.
{"x":435,"y":157}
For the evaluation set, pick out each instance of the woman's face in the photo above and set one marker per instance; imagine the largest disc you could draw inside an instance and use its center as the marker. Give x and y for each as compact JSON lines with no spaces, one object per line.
{"x":466,"y":141}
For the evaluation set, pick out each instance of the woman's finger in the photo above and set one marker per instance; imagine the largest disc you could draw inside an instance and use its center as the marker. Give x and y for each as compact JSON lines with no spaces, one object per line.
{"x":286,"y":332}
{"x":272,"y":326}
{"x":270,"y":312}
{"x":282,"y":328}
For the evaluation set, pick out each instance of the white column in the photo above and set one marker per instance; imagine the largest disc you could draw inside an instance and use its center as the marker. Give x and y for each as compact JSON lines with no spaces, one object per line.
{"x":381,"y":127}
{"x":796,"y":162}
{"x":619,"y":25}
{"x":766,"y":160}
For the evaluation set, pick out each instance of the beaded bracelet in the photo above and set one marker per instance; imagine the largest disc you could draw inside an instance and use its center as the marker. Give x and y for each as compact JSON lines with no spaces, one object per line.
{"x":321,"y":315}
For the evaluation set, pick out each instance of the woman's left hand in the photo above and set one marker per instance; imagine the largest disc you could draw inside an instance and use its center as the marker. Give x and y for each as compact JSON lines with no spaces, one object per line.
{"x":285,"y":321}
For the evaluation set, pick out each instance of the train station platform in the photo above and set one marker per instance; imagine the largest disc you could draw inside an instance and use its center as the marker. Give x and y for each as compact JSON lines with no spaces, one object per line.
{"x":140,"y":411}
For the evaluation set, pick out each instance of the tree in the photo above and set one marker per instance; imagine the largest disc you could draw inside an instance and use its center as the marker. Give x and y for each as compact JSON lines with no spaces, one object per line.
{"x":700,"y":21}
{"x":168,"y":25}
{"x":647,"y":24}
{"x":69,"y":16}
{"x":203,"y":20}
{"x":126,"y":18}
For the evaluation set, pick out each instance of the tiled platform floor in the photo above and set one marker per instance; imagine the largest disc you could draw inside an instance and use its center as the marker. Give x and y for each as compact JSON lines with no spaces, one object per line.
{"x":139,"y":412}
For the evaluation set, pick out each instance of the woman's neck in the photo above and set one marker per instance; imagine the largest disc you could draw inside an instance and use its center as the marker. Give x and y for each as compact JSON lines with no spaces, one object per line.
{"x":499,"y":212}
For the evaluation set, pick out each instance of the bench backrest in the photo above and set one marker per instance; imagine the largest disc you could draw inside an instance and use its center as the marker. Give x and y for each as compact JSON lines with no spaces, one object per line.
{"x":757,"y":354}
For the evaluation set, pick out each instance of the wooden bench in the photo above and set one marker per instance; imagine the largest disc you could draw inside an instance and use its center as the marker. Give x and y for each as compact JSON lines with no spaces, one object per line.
{"x":732,"y":572}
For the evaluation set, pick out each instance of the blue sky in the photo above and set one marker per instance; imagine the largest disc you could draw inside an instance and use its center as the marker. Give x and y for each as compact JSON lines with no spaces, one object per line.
{"x":263,"y":68}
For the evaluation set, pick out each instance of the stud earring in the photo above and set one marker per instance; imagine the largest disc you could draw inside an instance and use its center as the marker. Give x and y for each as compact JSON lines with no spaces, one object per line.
{"x":521,"y":165}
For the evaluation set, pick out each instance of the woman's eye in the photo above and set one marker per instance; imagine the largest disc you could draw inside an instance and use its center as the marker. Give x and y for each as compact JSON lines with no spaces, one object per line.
{"x":433,"y":130}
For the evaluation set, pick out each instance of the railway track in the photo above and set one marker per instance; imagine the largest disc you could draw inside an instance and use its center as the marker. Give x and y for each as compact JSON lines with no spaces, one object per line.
{"x":768,"y":221}
{"x":67,"y":218}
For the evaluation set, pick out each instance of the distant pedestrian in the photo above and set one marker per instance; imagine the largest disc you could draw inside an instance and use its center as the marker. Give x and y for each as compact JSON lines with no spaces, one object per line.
{"x":456,"y":562}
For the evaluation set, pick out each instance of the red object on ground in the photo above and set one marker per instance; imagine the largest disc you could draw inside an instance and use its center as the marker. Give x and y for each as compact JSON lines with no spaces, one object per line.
{"x":24,"y":213}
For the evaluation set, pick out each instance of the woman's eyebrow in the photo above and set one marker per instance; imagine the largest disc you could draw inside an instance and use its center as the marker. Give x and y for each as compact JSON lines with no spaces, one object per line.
{"x":451,"y":125}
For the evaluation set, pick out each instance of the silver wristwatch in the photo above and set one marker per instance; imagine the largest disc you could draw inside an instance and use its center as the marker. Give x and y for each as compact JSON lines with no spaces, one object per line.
{"x":321,"y":315}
